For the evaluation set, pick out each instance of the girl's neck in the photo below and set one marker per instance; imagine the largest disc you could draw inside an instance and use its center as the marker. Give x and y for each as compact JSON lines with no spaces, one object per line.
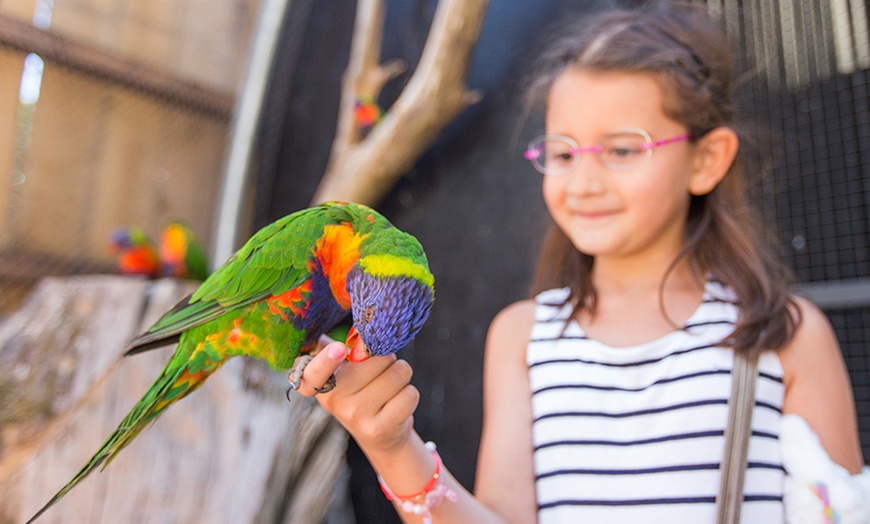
{"x":641,"y":276}
{"x":629,"y":296}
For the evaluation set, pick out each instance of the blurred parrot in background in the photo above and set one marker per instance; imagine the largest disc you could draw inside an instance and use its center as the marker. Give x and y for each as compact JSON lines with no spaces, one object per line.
{"x":134,"y":252}
{"x":366,"y":113}
{"x":291,"y":282}
{"x":181,"y":255}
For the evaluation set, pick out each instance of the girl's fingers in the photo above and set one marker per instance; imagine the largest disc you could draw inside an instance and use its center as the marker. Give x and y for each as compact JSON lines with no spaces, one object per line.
{"x":403,"y":397}
{"x":321,"y":367}
{"x":373,"y":400}
{"x":380,"y":388}
{"x":382,"y":411}
{"x":358,"y":375}
{"x":349,"y":379}
{"x":400,"y":408}
{"x":392,"y":380}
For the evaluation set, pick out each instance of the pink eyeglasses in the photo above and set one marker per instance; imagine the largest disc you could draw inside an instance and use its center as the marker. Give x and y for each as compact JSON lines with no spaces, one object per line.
{"x":621,"y":150}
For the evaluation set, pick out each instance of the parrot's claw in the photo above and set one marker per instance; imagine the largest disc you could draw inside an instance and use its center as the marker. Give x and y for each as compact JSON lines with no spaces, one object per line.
{"x":326,"y":388}
{"x":295,"y":377}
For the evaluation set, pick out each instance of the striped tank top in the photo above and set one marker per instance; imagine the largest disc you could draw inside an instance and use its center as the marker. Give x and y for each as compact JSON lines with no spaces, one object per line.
{"x":635,"y":434}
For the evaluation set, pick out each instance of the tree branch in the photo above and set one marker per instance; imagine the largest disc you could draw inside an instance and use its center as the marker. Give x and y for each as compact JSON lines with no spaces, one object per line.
{"x":364,"y":169}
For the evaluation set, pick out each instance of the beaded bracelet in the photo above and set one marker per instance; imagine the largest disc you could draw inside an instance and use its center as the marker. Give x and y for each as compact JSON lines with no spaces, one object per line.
{"x":432,"y":494}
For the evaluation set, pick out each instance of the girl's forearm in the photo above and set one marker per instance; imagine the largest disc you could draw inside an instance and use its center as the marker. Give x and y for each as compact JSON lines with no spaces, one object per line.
{"x":410,"y":467}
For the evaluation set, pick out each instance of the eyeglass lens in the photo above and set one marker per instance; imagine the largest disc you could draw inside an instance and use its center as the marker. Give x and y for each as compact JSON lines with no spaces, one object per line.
{"x":556,"y":154}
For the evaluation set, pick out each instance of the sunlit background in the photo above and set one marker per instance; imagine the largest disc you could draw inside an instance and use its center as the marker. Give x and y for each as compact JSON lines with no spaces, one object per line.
{"x":120,"y":112}
{"x":112,"y":113}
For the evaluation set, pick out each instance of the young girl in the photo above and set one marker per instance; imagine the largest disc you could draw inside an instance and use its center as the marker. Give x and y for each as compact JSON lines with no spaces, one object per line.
{"x":605,"y":397}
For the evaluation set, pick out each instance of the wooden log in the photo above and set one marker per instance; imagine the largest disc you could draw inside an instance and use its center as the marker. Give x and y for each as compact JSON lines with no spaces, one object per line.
{"x":234,"y":451}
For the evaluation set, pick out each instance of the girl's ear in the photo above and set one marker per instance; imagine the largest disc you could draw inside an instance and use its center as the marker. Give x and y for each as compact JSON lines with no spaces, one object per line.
{"x":716,"y":152}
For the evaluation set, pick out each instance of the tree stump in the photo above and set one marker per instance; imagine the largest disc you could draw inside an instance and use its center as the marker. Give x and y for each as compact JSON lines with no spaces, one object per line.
{"x":233,"y":451}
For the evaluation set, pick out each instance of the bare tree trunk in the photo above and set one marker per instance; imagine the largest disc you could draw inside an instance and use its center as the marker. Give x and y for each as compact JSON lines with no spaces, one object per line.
{"x":364,"y":169}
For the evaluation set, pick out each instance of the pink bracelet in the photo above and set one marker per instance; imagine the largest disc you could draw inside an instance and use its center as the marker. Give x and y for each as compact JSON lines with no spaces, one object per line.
{"x":432,"y":494}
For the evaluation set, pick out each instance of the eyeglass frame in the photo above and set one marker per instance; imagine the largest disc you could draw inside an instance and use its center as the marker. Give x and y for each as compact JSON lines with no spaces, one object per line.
{"x":532,"y":153}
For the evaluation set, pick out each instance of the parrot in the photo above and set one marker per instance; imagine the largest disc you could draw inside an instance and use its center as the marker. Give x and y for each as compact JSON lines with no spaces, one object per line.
{"x":181,"y":256}
{"x":134,"y":251}
{"x":367,"y":113}
{"x":292,"y":281}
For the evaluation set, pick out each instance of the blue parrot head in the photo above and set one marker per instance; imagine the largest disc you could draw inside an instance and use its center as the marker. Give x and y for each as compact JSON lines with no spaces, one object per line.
{"x":127,"y":237}
{"x":387,"y":311}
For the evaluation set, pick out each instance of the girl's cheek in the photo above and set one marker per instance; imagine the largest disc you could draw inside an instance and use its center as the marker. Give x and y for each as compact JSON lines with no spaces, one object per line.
{"x":552,"y":189}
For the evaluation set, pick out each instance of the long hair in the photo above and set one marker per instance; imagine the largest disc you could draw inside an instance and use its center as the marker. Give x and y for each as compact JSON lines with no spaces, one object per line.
{"x":689,"y":56}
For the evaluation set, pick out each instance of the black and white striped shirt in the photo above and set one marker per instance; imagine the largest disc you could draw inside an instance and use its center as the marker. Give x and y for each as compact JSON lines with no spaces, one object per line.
{"x":635,"y":434}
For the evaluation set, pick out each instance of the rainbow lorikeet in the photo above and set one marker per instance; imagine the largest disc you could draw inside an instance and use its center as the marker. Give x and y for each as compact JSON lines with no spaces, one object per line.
{"x":291,"y":282}
{"x":366,"y":113}
{"x":181,"y":255}
{"x":134,"y":252}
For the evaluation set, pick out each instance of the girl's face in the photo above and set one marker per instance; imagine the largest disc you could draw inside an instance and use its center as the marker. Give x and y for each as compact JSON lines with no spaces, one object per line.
{"x":635,"y":212}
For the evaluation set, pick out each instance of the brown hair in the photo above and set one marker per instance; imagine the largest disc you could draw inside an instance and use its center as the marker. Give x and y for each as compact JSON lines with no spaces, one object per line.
{"x":690,"y":57}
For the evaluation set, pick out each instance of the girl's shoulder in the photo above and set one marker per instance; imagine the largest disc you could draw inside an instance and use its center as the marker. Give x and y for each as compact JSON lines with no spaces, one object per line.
{"x":813,"y":352}
{"x":817,"y":385}
{"x":515,"y":318}
{"x":813,"y":343}
{"x":509,"y":332}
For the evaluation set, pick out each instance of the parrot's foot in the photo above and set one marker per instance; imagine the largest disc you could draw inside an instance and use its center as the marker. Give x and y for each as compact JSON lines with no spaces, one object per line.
{"x":295,"y":376}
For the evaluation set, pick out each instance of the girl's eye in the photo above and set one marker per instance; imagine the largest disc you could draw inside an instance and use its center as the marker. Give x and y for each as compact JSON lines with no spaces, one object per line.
{"x":622,"y":151}
{"x":621,"y":155}
{"x":368,"y":314}
{"x":557,"y":159}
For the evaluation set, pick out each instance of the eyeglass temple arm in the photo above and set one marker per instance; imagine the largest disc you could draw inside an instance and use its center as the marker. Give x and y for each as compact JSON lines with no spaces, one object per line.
{"x":667,"y":141}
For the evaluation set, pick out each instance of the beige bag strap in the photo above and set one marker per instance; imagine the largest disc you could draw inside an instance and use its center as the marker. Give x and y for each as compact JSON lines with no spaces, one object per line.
{"x":737,"y":433}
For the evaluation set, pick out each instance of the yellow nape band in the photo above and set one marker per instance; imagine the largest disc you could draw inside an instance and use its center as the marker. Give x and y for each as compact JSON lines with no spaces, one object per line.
{"x":393,"y":266}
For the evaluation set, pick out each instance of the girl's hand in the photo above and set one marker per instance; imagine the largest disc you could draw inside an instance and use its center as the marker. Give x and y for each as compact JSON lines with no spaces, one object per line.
{"x":373,"y":400}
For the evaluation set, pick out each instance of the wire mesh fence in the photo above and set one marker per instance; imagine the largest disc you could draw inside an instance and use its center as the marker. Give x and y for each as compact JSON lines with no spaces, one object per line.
{"x":807,"y":95}
{"x":115,"y":114}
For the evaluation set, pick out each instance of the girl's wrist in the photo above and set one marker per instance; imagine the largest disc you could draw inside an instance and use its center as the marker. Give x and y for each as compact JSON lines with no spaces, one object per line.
{"x":404,"y":468}
{"x":432,"y":495}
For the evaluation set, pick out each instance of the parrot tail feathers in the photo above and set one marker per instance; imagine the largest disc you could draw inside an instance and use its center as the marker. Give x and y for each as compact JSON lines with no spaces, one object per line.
{"x":134,"y":348}
{"x":181,"y":376}
{"x":120,"y":438}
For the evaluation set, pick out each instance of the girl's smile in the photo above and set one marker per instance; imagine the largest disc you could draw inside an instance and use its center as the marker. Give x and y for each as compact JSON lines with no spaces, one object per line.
{"x":593,"y":215}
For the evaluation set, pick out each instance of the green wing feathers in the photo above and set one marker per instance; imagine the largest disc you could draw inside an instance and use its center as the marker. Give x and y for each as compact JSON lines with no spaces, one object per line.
{"x":271,"y":262}
{"x":274,"y":260}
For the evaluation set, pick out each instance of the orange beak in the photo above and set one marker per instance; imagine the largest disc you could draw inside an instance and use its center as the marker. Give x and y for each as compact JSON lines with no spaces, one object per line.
{"x":358,"y":350}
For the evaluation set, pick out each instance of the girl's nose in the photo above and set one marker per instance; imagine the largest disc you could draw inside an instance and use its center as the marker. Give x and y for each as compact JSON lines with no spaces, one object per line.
{"x":587,"y":177}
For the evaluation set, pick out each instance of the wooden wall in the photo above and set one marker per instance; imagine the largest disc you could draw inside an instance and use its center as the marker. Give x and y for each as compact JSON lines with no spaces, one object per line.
{"x":10,"y":66}
{"x":97,"y":154}
{"x":203,"y":40}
